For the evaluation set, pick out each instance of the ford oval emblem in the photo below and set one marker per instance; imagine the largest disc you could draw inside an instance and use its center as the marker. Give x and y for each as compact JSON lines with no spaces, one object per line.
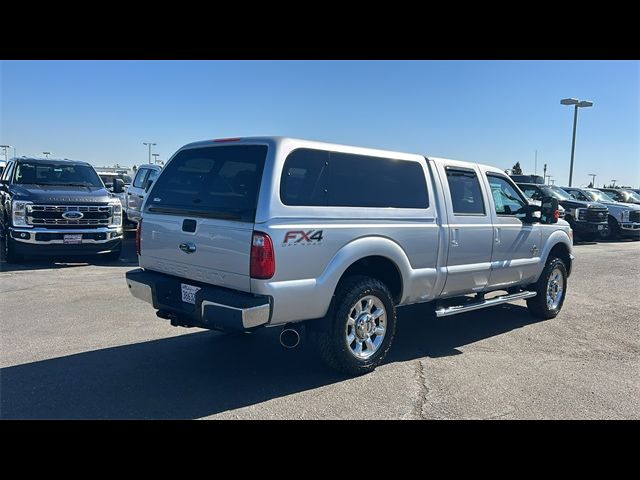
{"x":188,"y":247}
{"x":72,"y":215}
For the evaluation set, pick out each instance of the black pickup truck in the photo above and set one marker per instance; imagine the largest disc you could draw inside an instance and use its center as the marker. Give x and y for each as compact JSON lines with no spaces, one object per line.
{"x":588,"y":220}
{"x":57,"y":208}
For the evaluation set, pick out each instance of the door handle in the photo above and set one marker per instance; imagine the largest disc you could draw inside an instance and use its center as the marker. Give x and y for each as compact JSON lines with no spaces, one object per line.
{"x":455,"y":237}
{"x":129,"y":193}
{"x":140,"y":196}
{"x":496,"y":237}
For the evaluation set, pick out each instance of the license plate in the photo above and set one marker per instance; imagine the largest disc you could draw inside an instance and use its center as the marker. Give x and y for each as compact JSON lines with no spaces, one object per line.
{"x":600,"y":227}
{"x":71,"y":239}
{"x":189,"y":293}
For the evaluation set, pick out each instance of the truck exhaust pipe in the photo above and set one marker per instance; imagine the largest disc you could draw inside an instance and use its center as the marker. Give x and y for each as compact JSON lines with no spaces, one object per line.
{"x":290,"y":336}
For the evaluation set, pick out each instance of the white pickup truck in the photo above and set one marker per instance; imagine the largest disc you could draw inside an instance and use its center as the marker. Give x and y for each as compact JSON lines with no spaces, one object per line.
{"x":239,"y":234}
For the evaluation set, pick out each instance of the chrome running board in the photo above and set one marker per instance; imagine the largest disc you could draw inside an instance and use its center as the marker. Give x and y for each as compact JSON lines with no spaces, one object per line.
{"x":455,"y":309}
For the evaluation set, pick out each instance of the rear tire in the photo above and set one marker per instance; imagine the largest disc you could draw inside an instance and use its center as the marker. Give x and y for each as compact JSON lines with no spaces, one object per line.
{"x":551,"y":289}
{"x":358,"y":331}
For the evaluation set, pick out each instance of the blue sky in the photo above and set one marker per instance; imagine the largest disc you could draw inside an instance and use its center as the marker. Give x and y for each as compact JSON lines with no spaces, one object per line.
{"x":494,"y":112}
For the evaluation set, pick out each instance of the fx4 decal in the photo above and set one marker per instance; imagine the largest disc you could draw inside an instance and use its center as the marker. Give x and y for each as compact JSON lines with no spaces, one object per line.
{"x":300,"y":237}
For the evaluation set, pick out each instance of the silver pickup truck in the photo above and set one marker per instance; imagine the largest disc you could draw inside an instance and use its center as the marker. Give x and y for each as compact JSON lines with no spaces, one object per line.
{"x":241,"y":233}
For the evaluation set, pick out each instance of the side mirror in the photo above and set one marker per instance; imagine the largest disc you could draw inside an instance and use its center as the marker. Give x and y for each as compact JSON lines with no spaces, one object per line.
{"x":118,"y":185}
{"x":549,"y":212}
{"x":147,"y":185}
{"x":528,"y":214}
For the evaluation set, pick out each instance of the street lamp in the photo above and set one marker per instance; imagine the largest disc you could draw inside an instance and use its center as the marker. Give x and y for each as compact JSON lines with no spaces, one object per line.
{"x":548,"y":179}
{"x":149,"y":144}
{"x":577,"y":104}
{"x":155,"y":158}
{"x":593,"y":179}
{"x":46,"y":154}
{"x":5,"y":151}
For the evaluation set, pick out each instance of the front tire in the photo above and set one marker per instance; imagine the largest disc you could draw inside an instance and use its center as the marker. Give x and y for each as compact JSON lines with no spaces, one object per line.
{"x":10,"y":256}
{"x":362,"y":326}
{"x":614,"y":230}
{"x":551,"y":289}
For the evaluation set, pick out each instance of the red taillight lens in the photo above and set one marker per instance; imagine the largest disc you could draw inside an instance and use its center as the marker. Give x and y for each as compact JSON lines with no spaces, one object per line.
{"x":263,"y":262}
{"x":556,"y":214}
{"x":138,"y":232}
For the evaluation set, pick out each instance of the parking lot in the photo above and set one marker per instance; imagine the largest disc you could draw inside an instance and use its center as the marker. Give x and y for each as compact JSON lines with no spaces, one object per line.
{"x":75,"y":344}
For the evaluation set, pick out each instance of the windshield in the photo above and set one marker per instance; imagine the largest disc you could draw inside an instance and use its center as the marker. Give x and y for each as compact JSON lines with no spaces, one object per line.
{"x":598,"y":196}
{"x":556,"y":192}
{"x":216,"y":182}
{"x":631,"y":195}
{"x":57,"y":174}
{"x":108,"y":178}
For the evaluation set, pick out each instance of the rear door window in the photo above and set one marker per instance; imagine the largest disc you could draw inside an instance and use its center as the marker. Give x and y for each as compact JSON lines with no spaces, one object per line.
{"x":216,"y":182}
{"x":466,"y":195}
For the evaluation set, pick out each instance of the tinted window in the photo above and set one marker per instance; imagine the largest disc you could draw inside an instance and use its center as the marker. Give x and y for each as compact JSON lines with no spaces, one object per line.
{"x":320,"y":178}
{"x":506,"y":198}
{"x":531,"y":192}
{"x":219,"y":182}
{"x":466,"y":195}
{"x":304,"y":178}
{"x":138,"y":182}
{"x":57,"y":174}
{"x":363,"y":181}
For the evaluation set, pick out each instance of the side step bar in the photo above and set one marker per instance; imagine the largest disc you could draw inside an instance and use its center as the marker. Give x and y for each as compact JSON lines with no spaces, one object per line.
{"x":455,"y":309}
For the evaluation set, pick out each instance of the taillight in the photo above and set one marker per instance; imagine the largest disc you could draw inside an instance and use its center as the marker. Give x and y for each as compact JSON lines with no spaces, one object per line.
{"x":556,"y":214}
{"x":138,"y":233}
{"x":263,"y":262}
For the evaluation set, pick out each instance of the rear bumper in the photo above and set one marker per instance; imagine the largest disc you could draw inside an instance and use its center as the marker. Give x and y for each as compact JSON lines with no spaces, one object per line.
{"x":215,"y":308}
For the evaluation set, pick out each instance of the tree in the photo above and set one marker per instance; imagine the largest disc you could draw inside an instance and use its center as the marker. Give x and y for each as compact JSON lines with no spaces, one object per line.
{"x":517,"y":170}
{"x":134,"y":168}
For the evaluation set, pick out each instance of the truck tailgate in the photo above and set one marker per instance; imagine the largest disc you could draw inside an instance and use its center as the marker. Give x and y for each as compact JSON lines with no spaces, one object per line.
{"x":216,"y":253}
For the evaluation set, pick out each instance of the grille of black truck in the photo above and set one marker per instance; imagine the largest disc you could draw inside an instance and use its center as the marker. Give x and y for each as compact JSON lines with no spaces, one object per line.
{"x":69,"y":215}
{"x":634,"y":216}
{"x":597,"y":214}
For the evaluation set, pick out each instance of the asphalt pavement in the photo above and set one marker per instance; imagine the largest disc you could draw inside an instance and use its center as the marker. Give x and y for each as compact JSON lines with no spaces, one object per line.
{"x":75,"y":344}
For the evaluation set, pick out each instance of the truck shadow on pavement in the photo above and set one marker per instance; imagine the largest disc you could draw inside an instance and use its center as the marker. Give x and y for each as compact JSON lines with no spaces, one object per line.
{"x":199,"y":374}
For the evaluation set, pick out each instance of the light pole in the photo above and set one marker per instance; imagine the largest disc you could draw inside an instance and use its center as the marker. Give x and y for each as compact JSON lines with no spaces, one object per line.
{"x":5,"y":147}
{"x":593,"y":179}
{"x":149,"y":144}
{"x":613,"y":183}
{"x":155,"y":158}
{"x":547,"y":179}
{"x":46,"y":154}
{"x":576,"y":104}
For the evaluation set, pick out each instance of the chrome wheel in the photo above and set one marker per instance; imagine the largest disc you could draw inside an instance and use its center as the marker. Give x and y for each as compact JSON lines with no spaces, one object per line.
{"x":555,"y":289}
{"x":366,"y":327}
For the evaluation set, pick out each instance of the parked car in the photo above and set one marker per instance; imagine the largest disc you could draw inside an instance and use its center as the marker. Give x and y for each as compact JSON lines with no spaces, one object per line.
{"x":623,"y":218}
{"x":239,"y":234}
{"x":587,"y":219}
{"x":54,"y":207}
{"x":108,"y":179}
{"x":142,"y":181}
{"x":622,"y":195}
